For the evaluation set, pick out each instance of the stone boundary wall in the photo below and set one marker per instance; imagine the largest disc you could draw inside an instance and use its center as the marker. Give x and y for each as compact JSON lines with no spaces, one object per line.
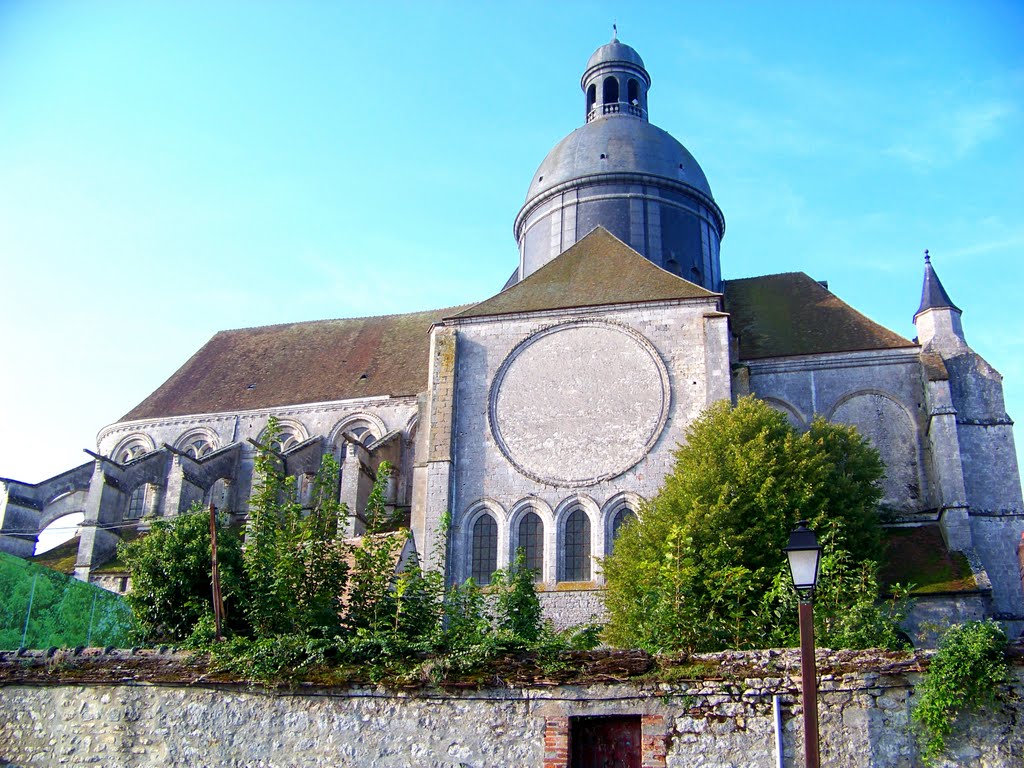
{"x":158,"y":710}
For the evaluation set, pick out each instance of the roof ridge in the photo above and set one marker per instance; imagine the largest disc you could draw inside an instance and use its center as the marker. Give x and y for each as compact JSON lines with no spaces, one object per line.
{"x":342,"y":319}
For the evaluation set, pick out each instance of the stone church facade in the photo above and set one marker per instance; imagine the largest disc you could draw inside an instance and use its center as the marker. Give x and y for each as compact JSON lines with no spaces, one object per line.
{"x":542,"y":417}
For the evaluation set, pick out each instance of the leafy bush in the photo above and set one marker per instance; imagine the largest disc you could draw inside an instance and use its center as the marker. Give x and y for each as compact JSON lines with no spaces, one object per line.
{"x":312,"y":601}
{"x":170,"y":569}
{"x":968,"y":671}
{"x":702,"y":567}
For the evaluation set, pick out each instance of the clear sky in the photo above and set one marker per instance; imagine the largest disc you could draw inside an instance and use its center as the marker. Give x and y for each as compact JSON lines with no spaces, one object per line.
{"x":171,"y":169}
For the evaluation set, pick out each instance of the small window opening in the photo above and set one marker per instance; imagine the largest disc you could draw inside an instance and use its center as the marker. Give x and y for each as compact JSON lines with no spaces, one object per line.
{"x":485,"y":549}
{"x":136,"y":503}
{"x":633,"y":92}
{"x":531,"y":540}
{"x":591,"y":97}
{"x":611,"y":90}
{"x":577,"y":547}
{"x":623,"y":516}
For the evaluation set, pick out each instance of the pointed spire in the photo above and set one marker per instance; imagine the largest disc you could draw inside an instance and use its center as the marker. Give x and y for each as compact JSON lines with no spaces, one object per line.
{"x":933,"y":295}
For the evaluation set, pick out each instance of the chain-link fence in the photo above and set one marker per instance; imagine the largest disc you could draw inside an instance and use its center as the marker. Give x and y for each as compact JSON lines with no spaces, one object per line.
{"x":41,"y":608}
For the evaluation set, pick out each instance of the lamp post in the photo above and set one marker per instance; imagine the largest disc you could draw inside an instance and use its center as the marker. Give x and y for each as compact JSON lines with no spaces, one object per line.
{"x":804,"y":560}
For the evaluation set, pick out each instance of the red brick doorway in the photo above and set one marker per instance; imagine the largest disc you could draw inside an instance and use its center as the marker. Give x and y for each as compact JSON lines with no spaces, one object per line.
{"x":605,"y":742}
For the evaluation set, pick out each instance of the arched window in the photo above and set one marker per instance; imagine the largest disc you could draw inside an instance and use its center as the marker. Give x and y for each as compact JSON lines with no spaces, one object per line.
{"x":289,"y":435}
{"x":633,"y":92}
{"x":591,"y":97}
{"x":576,"y":550}
{"x":611,"y":90}
{"x":623,"y":516}
{"x":130,"y":451}
{"x":485,"y":549}
{"x":198,"y":447}
{"x":531,"y":539}
{"x":362,"y":433}
{"x":137,"y":503}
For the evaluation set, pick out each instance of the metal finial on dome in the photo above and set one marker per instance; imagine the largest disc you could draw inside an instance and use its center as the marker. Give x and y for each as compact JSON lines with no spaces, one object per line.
{"x":927,"y":258}
{"x":615,"y":32}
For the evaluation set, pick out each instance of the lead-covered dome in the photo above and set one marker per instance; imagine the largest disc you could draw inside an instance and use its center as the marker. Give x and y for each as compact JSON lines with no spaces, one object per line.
{"x":618,"y":146}
{"x":614,"y":52}
{"x":623,"y":173}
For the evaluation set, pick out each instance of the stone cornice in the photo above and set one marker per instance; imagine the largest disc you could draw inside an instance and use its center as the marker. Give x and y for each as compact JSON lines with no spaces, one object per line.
{"x":287,"y":410}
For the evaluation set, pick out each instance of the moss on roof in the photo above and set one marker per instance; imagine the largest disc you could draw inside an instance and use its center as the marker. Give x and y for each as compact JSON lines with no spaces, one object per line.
{"x":792,"y":314}
{"x":598,"y":270}
{"x":919,"y":557}
{"x":297,"y":363}
{"x":61,"y":558}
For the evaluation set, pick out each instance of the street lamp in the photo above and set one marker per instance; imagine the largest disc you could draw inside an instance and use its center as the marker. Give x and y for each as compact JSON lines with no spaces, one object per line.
{"x":804,"y":555}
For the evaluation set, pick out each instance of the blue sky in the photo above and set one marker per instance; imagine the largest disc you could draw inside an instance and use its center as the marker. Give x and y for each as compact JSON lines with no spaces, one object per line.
{"x":171,"y":169}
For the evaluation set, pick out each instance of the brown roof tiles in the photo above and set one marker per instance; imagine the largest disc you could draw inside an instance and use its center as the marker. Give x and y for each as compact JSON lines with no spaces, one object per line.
{"x":296,"y":363}
{"x":793,"y":314}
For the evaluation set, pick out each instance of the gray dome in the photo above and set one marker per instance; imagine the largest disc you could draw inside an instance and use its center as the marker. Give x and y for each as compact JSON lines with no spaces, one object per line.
{"x":615,"y":51}
{"x":617,"y":144}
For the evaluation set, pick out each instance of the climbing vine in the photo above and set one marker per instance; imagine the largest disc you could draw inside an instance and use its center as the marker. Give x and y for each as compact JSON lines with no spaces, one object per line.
{"x":969,"y":671}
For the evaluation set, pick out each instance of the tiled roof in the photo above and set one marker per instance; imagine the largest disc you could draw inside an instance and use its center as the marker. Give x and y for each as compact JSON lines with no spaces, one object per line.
{"x":793,"y":314}
{"x":598,"y":270}
{"x":295,"y":363}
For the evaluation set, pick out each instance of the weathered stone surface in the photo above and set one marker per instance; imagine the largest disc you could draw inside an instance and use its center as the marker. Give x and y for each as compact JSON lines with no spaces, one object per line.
{"x":724,"y":720}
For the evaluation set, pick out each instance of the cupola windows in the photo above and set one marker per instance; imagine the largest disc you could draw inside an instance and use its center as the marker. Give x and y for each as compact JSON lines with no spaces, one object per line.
{"x":610,"y":92}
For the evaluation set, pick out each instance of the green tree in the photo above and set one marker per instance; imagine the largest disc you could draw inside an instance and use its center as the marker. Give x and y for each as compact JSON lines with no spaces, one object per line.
{"x":294,"y":562}
{"x":698,"y":570}
{"x":170,"y":567}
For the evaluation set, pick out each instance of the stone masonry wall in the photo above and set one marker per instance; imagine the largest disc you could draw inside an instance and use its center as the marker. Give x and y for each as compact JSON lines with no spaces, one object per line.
{"x":726,"y":720}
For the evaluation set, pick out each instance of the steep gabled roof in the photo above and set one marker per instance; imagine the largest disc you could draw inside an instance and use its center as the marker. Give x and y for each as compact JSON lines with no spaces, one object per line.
{"x":792,"y":314}
{"x":296,"y":363}
{"x":598,"y":270}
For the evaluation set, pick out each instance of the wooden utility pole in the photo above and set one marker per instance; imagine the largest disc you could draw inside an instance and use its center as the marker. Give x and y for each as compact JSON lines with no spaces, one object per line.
{"x":218,"y":602}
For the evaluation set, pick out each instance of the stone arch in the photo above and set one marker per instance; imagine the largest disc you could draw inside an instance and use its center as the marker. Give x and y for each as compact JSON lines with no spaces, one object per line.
{"x":519,"y":511}
{"x":892,"y":430}
{"x":292,"y":432}
{"x":366,"y":427}
{"x":132,"y":447}
{"x":67,"y":503}
{"x":627,"y":500}
{"x":566,"y":511}
{"x":198,"y":442}
{"x":58,"y":533}
{"x":790,"y":411}
{"x":485,"y":507}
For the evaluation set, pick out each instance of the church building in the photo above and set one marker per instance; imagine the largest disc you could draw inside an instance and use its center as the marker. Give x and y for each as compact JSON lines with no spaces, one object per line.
{"x":542,"y":416}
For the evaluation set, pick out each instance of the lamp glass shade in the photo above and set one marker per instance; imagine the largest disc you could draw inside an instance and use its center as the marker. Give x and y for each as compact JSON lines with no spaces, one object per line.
{"x":803,"y":565}
{"x":804,"y":557}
